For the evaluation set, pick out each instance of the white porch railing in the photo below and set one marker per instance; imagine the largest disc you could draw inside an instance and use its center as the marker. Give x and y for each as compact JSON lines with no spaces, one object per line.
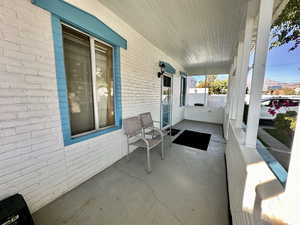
{"x":255,"y":193}
{"x":214,"y":101}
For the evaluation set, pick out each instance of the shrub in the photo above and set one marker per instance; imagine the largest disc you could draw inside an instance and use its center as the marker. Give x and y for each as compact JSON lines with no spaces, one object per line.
{"x":292,"y":118}
{"x":286,"y":122}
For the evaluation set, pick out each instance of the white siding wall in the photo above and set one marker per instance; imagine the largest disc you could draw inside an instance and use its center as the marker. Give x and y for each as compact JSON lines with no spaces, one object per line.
{"x":33,"y":159}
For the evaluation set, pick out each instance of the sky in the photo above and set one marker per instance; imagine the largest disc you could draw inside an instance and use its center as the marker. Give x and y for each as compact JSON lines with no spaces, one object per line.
{"x":282,"y":65}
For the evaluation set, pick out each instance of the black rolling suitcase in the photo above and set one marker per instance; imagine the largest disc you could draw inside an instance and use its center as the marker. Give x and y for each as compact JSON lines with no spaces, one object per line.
{"x":14,"y":211}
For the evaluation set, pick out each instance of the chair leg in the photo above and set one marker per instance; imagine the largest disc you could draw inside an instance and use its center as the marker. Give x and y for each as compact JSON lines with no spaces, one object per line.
{"x":149,"y":169}
{"x":162,"y":149}
{"x":127,"y":149}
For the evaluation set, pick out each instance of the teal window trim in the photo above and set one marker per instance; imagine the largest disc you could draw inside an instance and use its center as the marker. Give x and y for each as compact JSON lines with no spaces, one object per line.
{"x":82,"y":20}
{"x":168,"y":67}
{"x":62,"y":84}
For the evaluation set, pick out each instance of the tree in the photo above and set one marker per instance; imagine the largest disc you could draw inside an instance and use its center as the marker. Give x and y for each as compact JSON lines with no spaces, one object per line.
{"x":286,"y":27}
{"x":211,"y":78}
{"x":214,"y":86}
{"x":201,"y":84}
{"x":218,"y":87}
{"x":286,"y":122}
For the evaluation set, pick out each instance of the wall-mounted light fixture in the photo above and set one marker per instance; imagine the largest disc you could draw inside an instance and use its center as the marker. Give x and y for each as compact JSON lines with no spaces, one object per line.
{"x":162,"y":70}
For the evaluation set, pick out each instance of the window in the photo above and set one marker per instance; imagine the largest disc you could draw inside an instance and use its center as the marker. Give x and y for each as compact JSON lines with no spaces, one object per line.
{"x":89,"y":75}
{"x":207,"y":90}
{"x":182,"y":90}
{"x":88,"y":72}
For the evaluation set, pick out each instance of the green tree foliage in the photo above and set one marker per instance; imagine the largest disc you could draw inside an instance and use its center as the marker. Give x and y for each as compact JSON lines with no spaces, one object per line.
{"x":286,"y":28}
{"x":201,"y":84}
{"x":215,"y":86}
{"x":211,"y":78}
{"x":218,"y":87}
{"x":286,"y":122}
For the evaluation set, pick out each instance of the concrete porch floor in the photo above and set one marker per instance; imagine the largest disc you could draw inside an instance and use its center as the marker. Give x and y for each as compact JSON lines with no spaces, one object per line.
{"x":188,"y":187}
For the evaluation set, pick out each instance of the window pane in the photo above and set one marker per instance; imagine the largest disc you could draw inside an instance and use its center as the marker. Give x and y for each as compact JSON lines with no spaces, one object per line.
{"x":182,"y":91}
{"x":217,"y":90}
{"x":167,"y":81}
{"x":104,"y":84}
{"x":79,"y":80}
{"x":196,"y":90}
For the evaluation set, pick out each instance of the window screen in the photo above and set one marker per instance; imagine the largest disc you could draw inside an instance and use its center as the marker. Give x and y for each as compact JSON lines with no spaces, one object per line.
{"x":79,"y":80}
{"x":104,"y":84}
{"x":90,"y":83}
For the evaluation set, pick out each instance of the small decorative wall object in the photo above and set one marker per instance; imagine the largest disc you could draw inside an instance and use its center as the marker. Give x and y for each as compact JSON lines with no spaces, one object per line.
{"x":165,"y":68}
{"x":162,"y":70}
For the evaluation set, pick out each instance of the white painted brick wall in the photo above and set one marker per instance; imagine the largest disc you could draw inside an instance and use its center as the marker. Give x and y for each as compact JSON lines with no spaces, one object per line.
{"x":33,"y":160}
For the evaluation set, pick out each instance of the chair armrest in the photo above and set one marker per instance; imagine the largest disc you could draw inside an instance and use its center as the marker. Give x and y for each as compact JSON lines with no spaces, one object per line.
{"x":139,"y":137}
{"x":145,"y":140}
{"x":159,"y":131}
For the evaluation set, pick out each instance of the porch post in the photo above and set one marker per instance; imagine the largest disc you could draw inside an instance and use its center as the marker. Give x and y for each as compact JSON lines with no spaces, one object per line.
{"x":244,"y":67}
{"x":227,"y":110}
{"x":236,"y":80}
{"x":262,"y":44}
{"x":230,"y":87}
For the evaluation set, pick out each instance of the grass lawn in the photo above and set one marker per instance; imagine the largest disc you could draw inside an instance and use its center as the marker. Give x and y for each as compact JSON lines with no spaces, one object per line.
{"x":264,"y":143}
{"x":283,"y":137}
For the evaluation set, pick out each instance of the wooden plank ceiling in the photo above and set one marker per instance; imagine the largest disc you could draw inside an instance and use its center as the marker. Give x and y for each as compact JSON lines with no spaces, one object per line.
{"x":201,"y":35}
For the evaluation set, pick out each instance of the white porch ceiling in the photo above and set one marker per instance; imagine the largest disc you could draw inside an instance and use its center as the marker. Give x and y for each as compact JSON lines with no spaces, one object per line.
{"x":201,"y":35}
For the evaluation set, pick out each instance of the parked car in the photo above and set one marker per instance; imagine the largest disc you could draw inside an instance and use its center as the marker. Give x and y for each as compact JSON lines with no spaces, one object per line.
{"x":271,"y":107}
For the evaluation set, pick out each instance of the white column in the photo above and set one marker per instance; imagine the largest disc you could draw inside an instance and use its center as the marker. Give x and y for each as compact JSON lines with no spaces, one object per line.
{"x":262,"y":43}
{"x":244,"y":65}
{"x":232,"y":74}
{"x":230,"y":81}
{"x":235,"y":83}
{"x":229,"y":99}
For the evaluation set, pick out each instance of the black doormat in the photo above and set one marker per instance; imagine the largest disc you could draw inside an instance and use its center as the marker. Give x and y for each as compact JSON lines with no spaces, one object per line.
{"x":174,"y":132}
{"x":193,"y":139}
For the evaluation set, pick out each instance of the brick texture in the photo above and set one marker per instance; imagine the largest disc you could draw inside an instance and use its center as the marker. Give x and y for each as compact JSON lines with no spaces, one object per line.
{"x":33,"y":159}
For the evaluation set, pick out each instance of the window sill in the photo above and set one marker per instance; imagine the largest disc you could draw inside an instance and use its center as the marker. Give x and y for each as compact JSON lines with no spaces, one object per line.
{"x":89,"y":135}
{"x":91,"y":132}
